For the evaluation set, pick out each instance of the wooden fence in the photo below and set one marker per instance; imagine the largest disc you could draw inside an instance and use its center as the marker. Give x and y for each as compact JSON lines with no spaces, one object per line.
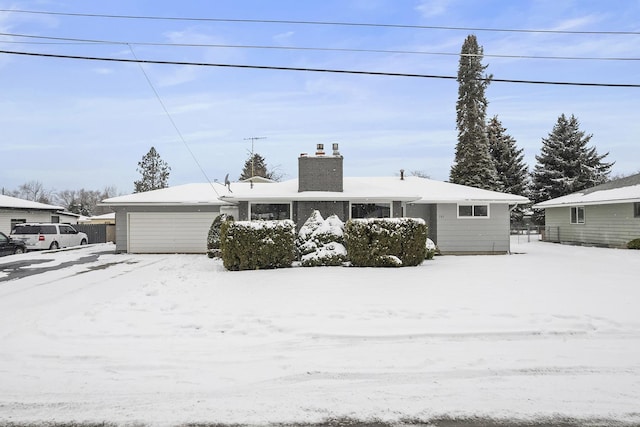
{"x":98,"y":233}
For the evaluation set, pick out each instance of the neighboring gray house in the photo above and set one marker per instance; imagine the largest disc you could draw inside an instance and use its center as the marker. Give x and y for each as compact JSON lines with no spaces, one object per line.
{"x":16,"y":211}
{"x":605,"y":215}
{"x":461,"y":219}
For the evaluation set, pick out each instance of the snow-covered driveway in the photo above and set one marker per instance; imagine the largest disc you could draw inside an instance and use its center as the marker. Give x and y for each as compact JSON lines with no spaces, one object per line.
{"x":168,"y":339}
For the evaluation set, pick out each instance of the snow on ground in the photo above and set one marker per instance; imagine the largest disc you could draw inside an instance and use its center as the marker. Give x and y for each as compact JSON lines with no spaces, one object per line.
{"x":166,"y":339}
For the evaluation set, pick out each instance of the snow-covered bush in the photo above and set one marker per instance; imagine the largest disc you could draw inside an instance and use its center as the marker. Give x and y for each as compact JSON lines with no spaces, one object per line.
{"x":253,"y":245}
{"x":432,"y":249}
{"x":386,"y":242}
{"x":213,"y":238}
{"x":320,"y":241}
{"x":634,"y":244}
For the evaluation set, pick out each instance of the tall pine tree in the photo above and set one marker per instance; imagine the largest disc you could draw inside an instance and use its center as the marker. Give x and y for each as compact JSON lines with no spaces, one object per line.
{"x":513,"y":174}
{"x":154,"y":171}
{"x":473,"y":164}
{"x":566,"y":164}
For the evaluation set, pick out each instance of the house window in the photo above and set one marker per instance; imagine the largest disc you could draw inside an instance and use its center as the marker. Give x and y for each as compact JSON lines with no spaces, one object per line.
{"x":371,"y":210}
{"x":55,"y":219}
{"x":577,"y":215}
{"x":471,"y":211}
{"x":270,"y":211}
{"x":636,"y":209}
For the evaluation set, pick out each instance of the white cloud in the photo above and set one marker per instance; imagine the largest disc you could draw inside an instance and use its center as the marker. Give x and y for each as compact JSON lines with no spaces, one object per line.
{"x":283,"y":37}
{"x":430,"y":8}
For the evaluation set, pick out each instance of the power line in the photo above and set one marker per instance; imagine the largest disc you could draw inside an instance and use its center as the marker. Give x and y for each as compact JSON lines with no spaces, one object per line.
{"x":173,"y":123}
{"x":321,"y":49}
{"x":317,"y":70}
{"x":331,"y":23}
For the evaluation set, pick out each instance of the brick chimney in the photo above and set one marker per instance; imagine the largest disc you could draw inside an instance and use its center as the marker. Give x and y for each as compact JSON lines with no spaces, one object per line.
{"x":320,"y":172}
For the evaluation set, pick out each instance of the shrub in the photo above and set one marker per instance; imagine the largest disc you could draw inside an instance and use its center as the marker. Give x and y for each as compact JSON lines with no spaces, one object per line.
{"x":386,"y":242}
{"x":213,"y":238}
{"x":634,"y":244}
{"x":253,"y":245}
{"x":320,"y":242}
{"x":432,"y":249}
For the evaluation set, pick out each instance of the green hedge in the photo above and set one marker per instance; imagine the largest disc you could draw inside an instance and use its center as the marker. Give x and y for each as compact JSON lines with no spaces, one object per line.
{"x":386,"y":242}
{"x":213,"y":238}
{"x":634,"y":244}
{"x":253,"y":245}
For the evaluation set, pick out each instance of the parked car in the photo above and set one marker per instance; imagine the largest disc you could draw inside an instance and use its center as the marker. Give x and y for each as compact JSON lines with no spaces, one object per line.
{"x":9,"y":246}
{"x":48,"y":236}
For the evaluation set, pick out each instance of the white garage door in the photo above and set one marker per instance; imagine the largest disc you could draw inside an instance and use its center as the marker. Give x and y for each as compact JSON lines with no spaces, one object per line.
{"x":169,"y":232}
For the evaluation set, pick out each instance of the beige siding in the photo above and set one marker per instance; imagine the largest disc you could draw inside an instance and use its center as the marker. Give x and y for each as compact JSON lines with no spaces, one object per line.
{"x":607,"y":225}
{"x":473,"y":235}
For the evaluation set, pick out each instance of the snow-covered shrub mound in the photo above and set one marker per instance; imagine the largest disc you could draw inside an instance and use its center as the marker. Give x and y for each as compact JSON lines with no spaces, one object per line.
{"x":253,"y":245}
{"x":634,"y":244}
{"x":320,"y":241}
{"x":213,"y":238}
{"x":386,"y":242}
{"x":432,"y":249}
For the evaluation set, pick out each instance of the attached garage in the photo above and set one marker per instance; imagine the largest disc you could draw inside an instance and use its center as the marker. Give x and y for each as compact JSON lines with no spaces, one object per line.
{"x":170,"y":220}
{"x":168,"y":232}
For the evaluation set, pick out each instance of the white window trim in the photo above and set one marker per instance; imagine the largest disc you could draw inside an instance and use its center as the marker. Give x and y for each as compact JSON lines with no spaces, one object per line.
{"x":488,"y":205}
{"x":271,"y":203}
{"x":584,"y":215}
{"x":365,"y":203}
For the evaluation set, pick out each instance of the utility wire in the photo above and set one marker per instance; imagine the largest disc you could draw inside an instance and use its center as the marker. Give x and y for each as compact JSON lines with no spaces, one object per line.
{"x":321,"y":49}
{"x":173,"y":123}
{"x":335,"y":23}
{"x":317,"y":70}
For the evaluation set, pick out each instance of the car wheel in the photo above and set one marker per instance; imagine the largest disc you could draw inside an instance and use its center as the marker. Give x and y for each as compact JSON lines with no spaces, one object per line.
{"x":18,"y":251}
{"x":83,"y":242}
{"x":54,"y":245}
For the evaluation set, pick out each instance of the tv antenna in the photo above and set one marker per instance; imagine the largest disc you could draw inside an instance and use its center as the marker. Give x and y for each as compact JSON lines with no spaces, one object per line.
{"x":253,"y":139}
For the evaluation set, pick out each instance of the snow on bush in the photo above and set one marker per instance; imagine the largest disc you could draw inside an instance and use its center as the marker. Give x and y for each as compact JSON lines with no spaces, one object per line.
{"x":213,"y":238}
{"x":386,"y":242}
{"x":320,"y":241}
{"x":253,"y":245}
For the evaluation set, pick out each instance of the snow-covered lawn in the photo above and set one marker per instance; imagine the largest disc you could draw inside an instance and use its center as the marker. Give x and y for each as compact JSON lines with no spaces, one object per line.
{"x":166,"y":339}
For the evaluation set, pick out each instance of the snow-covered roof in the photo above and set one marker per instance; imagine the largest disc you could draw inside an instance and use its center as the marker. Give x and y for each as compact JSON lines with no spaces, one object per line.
{"x":16,"y":203}
{"x":187,"y":194}
{"x":359,"y":189}
{"x":624,"y":190}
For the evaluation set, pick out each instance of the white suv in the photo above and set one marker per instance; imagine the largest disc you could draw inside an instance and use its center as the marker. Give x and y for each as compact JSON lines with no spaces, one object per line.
{"x":48,"y":236}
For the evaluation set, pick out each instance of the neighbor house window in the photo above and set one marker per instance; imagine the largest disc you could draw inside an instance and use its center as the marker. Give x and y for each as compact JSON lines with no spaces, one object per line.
{"x":15,"y":221}
{"x":577,"y":215}
{"x":55,"y":219}
{"x":636,"y":209}
{"x":470,"y":211}
{"x":371,"y":210}
{"x":270,"y":211}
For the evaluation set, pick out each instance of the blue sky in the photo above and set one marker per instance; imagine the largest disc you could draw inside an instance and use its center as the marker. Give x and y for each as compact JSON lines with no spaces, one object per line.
{"x":74,"y":124}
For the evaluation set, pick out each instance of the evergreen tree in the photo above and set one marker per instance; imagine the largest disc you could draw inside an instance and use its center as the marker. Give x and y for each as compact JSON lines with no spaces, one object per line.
{"x":566,"y":164}
{"x":155,"y":172}
{"x":513,"y":174}
{"x":473,"y":164}
{"x":256,"y":166}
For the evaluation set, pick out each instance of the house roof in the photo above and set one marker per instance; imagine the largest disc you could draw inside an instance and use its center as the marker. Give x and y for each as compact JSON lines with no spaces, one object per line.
{"x":623,"y":190}
{"x":187,"y":194}
{"x":371,"y":189}
{"x":16,"y":203}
